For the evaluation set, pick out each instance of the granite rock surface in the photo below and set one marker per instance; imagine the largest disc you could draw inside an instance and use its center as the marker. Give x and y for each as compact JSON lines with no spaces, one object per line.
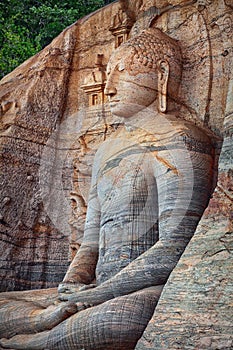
{"x":42,"y":220}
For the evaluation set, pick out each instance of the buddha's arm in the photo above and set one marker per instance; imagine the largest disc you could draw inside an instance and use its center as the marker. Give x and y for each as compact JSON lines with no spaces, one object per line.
{"x":82,"y":268}
{"x":183,"y":196}
{"x":150,"y":269}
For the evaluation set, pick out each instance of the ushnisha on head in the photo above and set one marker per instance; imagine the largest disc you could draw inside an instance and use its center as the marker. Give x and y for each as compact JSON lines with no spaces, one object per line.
{"x":145,"y":69}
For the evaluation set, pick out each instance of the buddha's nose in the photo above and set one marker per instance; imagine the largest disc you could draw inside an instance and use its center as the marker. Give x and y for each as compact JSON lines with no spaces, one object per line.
{"x":110,"y":90}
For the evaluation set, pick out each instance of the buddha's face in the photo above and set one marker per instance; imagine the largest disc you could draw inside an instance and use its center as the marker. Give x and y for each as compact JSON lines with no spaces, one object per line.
{"x":127,"y":93}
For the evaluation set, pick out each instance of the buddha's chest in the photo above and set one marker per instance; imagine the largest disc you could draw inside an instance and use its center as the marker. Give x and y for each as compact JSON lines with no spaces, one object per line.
{"x":124,"y":178}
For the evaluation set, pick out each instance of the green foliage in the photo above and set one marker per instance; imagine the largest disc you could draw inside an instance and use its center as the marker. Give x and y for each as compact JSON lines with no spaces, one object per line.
{"x":27,"y":26}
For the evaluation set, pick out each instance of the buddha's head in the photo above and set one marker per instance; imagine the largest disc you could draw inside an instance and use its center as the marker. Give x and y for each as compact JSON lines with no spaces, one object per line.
{"x":145,"y":69}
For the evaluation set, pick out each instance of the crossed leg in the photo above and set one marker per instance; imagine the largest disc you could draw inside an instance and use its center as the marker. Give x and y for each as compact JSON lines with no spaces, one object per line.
{"x":19,"y":317}
{"x":117,"y":323}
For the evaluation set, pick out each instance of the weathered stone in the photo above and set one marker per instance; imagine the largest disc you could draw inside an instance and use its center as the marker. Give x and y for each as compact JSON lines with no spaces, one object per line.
{"x":35,"y":98}
{"x":194,"y":309}
{"x":32,"y":99}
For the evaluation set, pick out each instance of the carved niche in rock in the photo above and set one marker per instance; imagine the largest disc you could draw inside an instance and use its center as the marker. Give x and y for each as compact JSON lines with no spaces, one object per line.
{"x":94,"y":84}
{"x":120,"y":27}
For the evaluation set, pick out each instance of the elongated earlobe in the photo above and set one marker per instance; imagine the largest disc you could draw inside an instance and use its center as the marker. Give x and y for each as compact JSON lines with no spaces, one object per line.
{"x":163,"y":74}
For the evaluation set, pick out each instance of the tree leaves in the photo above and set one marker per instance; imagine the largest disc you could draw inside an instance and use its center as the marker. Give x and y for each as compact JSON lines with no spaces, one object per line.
{"x":28,"y":26}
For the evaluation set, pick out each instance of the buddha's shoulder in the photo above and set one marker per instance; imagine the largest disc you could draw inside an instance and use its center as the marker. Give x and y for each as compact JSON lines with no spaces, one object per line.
{"x":172,"y":126}
{"x":192,"y":131}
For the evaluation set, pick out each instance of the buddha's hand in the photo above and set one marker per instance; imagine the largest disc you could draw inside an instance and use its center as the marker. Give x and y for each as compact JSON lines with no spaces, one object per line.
{"x":65,"y":289}
{"x":69,"y":287}
{"x":83,"y":306}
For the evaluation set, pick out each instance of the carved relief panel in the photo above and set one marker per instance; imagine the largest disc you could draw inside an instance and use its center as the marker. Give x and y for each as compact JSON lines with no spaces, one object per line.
{"x":94,"y":84}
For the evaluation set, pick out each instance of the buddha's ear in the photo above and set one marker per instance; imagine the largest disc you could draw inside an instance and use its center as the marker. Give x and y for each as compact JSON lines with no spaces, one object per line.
{"x":163,"y":74}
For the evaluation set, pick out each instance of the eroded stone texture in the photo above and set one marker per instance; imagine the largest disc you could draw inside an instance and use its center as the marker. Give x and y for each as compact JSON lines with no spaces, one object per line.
{"x":143,"y":207}
{"x":36,"y":174}
{"x":32,"y":100}
{"x":194,"y":309}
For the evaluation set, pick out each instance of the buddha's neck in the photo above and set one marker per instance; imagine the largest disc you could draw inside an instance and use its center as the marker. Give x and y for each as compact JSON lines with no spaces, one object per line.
{"x":149,"y":117}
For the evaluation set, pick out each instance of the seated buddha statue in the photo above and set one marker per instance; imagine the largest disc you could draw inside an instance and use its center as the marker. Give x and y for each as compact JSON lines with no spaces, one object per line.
{"x":151,"y":182}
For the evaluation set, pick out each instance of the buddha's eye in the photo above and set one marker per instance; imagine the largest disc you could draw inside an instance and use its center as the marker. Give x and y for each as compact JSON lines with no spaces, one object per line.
{"x":121,"y":66}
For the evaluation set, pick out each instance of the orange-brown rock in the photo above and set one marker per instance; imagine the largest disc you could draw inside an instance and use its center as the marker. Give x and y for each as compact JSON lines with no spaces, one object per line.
{"x":35,"y":99}
{"x":55,"y":117}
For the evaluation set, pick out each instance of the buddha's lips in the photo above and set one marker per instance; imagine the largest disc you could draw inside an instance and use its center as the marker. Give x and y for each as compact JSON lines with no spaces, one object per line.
{"x":114,"y":101}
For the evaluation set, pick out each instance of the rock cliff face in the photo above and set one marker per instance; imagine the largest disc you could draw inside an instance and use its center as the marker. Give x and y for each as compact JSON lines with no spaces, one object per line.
{"x":53,"y":118}
{"x":37,"y":164}
{"x":195,"y":309}
{"x":33,"y":98}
